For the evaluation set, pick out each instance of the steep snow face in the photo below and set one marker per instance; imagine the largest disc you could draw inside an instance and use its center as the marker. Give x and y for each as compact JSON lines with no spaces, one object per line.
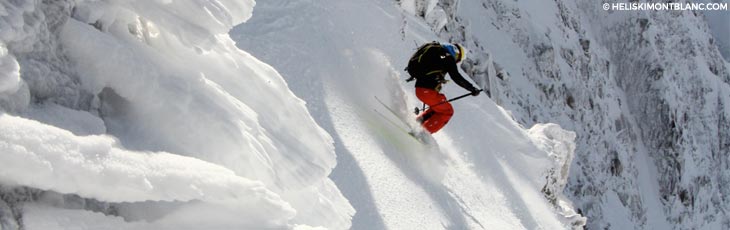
{"x":677,"y":87}
{"x":646,"y":93}
{"x":486,"y":172}
{"x":150,"y":101}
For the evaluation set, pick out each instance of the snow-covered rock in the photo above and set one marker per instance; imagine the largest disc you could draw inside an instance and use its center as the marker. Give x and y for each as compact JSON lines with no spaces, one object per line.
{"x":150,"y":102}
{"x":9,"y":72}
{"x":560,"y":146}
{"x":645,"y":91}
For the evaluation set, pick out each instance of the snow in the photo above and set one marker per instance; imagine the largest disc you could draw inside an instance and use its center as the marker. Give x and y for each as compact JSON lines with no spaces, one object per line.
{"x":43,"y":217}
{"x":62,"y":160}
{"x":220,"y":99}
{"x":152,"y":110}
{"x":80,"y":123}
{"x":211,"y":107}
{"x":9,"y":72}
{"x":630,"y":75}
{"x":158,"y":113}
{"x":486,"y":171}
{"x":91,"y":166}
{"x":10,"y":81}
{"x":6,"y":219}
{"x":161,"y":106}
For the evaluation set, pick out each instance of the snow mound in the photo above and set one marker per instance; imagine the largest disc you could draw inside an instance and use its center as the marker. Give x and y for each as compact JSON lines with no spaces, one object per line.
{"x":92,"y":165}
{"x":214,"y":104}
{"x":96,"y":167}
{"x":151,"y":101}
{"x":559,"y":144}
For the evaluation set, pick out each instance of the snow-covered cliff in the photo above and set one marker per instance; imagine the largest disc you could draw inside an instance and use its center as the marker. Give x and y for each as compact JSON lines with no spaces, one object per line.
{"x":148,"y":109}
{"x":645,"y":91}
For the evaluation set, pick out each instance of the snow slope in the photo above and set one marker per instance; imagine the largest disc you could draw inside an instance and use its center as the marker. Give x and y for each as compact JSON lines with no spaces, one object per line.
{"x":487,"y":172}
{"x":121,"y":114}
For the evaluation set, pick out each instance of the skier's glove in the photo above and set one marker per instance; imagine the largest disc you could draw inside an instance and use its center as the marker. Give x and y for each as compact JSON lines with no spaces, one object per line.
{"x":475,"y":91}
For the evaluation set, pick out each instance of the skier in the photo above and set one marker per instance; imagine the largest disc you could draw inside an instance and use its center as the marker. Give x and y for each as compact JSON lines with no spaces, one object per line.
{"x":429,"y":66}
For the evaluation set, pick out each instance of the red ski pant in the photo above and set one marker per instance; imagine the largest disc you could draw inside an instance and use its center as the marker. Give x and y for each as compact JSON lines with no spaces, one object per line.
{"x":439,"y":111}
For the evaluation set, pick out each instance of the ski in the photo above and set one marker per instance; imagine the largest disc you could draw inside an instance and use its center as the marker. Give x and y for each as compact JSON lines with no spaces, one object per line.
{"x":413,"y":133}
{"x":391,"y":121}
{"x":391,"y":111}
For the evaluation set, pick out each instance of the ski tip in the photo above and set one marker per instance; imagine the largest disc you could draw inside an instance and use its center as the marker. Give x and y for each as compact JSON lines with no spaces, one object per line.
{"x":422,"y":136}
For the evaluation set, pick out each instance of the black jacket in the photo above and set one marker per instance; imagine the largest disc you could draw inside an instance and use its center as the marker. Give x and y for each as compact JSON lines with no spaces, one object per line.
{"x":430,"y":64}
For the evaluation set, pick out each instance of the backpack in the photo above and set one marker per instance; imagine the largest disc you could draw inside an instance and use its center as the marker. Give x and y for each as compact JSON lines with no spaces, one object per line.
{"x":416,"y":65}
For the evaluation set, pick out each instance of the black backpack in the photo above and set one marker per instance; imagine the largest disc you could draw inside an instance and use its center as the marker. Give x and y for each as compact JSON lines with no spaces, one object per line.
{"x":416,"y":65}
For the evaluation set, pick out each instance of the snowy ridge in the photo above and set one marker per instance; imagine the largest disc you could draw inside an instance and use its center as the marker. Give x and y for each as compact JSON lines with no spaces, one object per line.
{"x":91,"y":166}
{"x":153,"y":81}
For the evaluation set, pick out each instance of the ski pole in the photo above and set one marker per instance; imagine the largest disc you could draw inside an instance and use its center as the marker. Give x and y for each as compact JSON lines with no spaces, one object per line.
{"x":460,"y":97}
{"x":452,"y":99}
{"x":456,"y":98}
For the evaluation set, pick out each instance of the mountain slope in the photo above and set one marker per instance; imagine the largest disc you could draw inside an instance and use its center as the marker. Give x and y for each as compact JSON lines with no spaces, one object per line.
{"x":339,"y":55}
{"x":146,"y":115}
{"x":645,"y":92}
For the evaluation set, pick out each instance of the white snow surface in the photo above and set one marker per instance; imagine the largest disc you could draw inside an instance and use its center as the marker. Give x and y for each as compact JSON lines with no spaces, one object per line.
{"x":486,"y":172}
{"x":92,"y":166}
{"x":178,"y":113}
{"x":150,"y":110}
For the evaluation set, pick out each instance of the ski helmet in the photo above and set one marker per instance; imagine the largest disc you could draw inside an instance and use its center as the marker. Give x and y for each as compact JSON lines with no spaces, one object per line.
{"x":456,"y":50}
